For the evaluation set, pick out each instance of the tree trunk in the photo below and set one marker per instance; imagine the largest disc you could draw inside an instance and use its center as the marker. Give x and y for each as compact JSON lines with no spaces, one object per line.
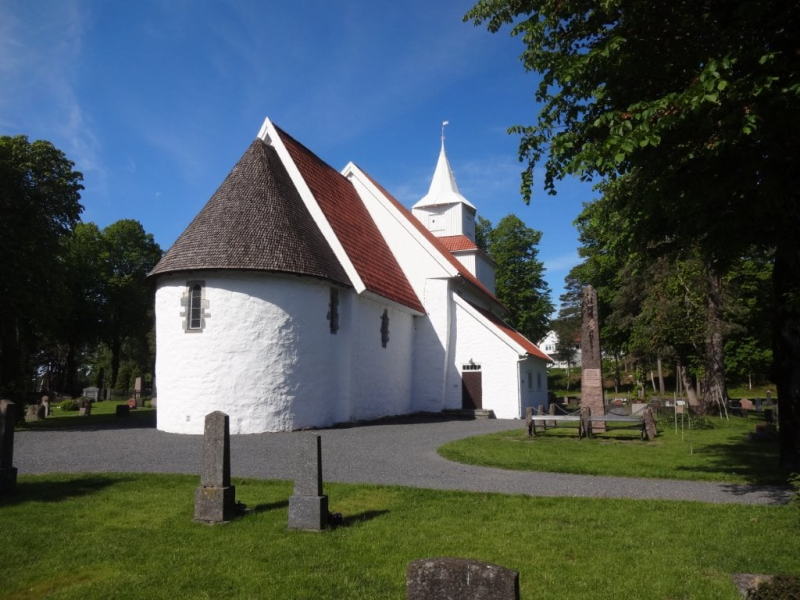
{"x":661,"y":387}
{"x":116,"y":347}
{"x":716,"y":391}
{"x":786,"y":350}
{"x":686,"y":385}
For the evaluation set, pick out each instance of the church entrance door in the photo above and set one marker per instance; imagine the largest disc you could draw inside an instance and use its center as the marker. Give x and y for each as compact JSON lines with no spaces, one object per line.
{"x":471,"y":390}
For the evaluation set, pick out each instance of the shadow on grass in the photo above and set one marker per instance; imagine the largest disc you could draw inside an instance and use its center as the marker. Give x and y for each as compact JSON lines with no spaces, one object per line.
{"x":755,"y":461}
{"x":363,"y":517}
{"x":259,"y":508}
{"x":56,"y":491}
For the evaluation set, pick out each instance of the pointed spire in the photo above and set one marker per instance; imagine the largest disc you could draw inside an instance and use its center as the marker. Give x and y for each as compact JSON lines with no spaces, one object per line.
{"x":444,"y":189}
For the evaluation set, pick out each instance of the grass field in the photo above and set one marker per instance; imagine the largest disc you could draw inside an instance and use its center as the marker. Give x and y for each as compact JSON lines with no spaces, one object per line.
{"x":725,"y":453}
{"x":102,"y":413}
{"x":132,"y":536}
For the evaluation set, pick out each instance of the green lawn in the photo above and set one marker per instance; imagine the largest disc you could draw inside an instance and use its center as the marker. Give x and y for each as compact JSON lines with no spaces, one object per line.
{"x":102,"y":413}
{"x":724,"y":453}
{"x":132,"y":536}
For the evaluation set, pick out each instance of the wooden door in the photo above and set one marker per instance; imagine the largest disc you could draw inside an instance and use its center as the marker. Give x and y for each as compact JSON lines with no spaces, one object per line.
{"x":471,"y":390}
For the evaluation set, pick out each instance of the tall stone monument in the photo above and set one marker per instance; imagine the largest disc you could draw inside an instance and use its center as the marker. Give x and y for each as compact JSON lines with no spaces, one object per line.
{"x":308,"y":507}
{"x":8,"y":472}
{"x":591,"y":358}
{"x":215,"y":499}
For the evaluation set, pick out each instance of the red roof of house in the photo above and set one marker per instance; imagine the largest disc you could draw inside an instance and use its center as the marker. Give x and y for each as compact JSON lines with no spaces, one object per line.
{"x":353,"y":226}
{"x":462,"y":270}
{"x":515,"y":335}
{"x":454,"y":243}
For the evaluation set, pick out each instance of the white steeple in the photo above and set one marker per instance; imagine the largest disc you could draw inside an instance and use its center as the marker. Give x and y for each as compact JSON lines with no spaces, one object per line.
{"x":443,"y":188}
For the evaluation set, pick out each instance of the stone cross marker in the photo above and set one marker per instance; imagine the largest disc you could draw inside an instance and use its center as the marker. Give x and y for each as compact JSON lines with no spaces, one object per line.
{"x":8,"y":472}
{"x":591,"y":358}
{"x":308,"y":508}
{"x":460,"y":579}
{"x":215,"y":499}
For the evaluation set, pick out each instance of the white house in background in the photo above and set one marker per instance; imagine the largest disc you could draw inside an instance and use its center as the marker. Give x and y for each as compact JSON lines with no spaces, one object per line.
{"x":549,"y":344}
{"x":302,"y":297}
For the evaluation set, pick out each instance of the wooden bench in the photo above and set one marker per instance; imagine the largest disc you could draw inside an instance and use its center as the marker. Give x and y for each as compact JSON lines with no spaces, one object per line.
{"x":585,"y":422}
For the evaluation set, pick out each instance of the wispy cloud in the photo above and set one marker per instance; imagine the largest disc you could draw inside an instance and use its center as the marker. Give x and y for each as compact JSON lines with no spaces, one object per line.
{"x":40,"y":57}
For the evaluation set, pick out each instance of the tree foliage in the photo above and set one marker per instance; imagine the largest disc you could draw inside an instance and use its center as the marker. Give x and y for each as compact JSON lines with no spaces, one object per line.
{"x":688,"y":112}
{"x":39,"y":206}
{"x":519,"y":278}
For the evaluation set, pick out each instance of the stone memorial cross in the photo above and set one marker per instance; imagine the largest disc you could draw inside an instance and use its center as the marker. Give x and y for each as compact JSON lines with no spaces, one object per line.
{"x":591,"y":358}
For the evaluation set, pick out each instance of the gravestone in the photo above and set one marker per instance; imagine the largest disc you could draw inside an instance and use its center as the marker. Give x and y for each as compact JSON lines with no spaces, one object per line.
{"x":35,"y":412}
{"x":92,"y":393}
{"x":308,"y":508}
{"x":215,"y":498}
{"x":591,"y":358}
{"x":85,"y":409}
{"x":460,"y":579}
{"x":46,"y":405}
{"x":758,"y":403}
{"x":8,"y":472}
{"x":649,"y":424}
{"x":137,"y":393}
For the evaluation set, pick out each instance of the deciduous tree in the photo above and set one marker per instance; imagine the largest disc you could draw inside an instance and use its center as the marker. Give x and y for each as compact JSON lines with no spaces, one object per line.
{"x":689,"y":110}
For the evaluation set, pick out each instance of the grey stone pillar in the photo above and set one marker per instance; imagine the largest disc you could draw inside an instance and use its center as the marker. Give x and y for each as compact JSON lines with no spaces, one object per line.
{"x":529,"y":425}
{"x":591,"y":357}
{"x":650,"y":431}
{"x":460,"y":579}
{"x":215,"y":499}
{"x":308,"y":508}
{"x":8,"y":472}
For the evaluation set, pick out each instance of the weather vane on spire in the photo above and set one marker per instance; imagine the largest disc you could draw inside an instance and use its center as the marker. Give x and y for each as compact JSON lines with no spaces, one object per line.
{"x":443,"y":124}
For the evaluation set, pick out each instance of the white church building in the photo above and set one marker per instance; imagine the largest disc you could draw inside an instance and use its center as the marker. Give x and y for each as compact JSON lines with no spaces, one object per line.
{"x":301,"y":296}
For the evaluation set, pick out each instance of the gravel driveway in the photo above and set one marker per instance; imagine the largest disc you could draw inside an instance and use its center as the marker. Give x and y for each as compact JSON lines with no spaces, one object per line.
{"x":402,"y":452}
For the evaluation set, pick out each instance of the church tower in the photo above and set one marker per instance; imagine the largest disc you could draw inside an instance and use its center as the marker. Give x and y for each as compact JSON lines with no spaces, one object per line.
{"x":451,"y":217}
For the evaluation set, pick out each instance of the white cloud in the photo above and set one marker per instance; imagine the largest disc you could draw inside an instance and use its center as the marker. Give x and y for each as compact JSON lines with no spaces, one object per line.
{"x":40,"y":57}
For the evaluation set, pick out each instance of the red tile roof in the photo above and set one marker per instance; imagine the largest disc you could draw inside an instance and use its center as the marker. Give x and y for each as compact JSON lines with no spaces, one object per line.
{"x":512,"y":333}
{"x":353,"y":225}
{"x":454,"y":243}
{"x":462,"y":270}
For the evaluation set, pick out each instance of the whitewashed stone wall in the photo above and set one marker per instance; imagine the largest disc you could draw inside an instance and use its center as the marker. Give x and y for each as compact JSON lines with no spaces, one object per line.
{"x":266,"y":356}
{"x":381,"y":377}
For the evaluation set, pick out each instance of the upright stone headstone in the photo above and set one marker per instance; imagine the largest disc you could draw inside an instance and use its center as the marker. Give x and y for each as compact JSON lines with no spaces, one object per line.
{"x":591,"y":358}
{"x":460,"y":579}
{"x":650,"y":430}
{"x":215,"y":499}
{"x":93,"y":393}
{"x":308,"y":508}
{"x":46,"y":405}
{"x":8,"y":472}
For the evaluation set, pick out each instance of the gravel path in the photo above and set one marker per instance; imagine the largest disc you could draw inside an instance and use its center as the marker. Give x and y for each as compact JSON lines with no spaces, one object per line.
{"x":397,"y":453}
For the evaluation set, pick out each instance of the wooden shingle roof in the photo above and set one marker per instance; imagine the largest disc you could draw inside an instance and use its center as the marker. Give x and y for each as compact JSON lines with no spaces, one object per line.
{"x":256,"y":220}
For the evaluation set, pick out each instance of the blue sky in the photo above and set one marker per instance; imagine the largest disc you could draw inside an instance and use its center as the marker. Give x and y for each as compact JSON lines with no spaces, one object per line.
{"x":156,"y":100}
